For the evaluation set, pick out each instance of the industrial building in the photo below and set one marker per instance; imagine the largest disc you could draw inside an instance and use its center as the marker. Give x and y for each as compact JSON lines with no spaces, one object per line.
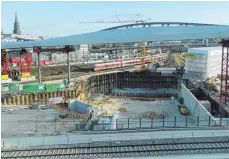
{"x":202,"y":63}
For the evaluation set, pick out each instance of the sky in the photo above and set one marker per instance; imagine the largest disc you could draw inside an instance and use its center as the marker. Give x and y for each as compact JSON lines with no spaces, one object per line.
{"x":63,"y":18}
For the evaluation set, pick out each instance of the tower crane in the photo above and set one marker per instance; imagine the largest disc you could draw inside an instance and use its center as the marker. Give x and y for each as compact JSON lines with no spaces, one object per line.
{"x":131,"y":20}
{"x":118,"y":19}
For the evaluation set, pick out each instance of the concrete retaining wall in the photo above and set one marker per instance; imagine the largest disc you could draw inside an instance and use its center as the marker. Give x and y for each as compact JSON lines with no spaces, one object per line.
{"x":194,"y":106}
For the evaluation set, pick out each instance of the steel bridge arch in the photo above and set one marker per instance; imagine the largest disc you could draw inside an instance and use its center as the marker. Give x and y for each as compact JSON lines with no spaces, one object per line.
{"x":151,"y":24}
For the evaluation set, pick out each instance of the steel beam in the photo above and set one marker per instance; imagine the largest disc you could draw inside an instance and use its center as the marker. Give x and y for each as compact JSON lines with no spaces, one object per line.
{"x":66,"y":49}
{"x":224,"y":87}
{"x":159,"y":23}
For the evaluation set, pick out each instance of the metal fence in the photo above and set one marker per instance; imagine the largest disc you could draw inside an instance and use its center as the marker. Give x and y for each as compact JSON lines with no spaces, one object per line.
{"x":67,"y":138}
{"x":176,"y":122}
{"x":66,"y":125}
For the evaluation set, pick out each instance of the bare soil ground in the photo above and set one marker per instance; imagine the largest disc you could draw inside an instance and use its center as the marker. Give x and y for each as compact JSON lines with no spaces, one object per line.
{"x":59,"y":70}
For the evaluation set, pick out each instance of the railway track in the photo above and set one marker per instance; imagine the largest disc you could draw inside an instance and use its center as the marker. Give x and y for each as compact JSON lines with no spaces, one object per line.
{"x":93,"y":72}
{"x":77,"y":74}
{"x":124,"y":149}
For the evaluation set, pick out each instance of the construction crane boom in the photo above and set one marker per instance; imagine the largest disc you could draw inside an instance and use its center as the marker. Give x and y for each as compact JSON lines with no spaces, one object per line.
{"x":130,"y":21}
{"x":118,"y":20}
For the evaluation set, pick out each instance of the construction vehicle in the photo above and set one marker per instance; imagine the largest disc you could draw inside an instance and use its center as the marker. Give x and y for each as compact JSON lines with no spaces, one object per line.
{"x":24,"y":64}
{"x":183,"y":110}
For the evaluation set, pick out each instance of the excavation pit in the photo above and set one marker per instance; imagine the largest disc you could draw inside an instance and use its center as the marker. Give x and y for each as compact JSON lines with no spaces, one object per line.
{"x":130,"y":100}
{"x":132,"y":114}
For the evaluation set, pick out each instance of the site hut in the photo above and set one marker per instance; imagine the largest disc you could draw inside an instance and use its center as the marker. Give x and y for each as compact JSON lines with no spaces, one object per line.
{"x":202,"y":63}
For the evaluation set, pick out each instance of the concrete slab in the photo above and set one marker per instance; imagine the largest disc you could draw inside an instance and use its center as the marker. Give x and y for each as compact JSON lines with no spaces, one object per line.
{"x":19,"y":122}
{"x":141,"y":109}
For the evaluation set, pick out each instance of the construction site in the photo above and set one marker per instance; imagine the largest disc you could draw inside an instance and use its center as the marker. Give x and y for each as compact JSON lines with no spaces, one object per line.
{"x":152,"y":91}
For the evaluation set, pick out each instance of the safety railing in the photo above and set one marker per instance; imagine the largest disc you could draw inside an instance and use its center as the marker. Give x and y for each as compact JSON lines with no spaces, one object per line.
{"x":67,"y":139}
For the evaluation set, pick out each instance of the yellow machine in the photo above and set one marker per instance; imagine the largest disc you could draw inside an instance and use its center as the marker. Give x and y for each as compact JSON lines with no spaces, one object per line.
{"x":4,"y":77}
{"x":143,"y":67}
{"x":183,"y":110}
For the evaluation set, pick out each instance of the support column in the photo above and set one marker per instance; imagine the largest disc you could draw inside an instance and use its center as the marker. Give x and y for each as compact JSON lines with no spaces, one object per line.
{"x":206,"y":42}
{"x":69,"y":68}
{"x":39,"y":67}
{"x":203,"y":42}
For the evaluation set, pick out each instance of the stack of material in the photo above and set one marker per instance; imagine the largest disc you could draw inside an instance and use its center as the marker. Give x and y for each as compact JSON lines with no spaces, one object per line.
{"x":154,"y":115}
{"x":122,"y":110}
{"x":100,"y":102}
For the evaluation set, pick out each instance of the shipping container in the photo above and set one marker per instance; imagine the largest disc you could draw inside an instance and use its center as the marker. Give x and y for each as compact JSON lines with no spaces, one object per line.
{"x":29,"y":88}
{"x":52,"y":87}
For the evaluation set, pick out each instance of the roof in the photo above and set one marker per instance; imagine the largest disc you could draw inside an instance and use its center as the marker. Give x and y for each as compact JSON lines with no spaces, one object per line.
{"x":204,"y":50}
{"x":150,"y":24}
{"x":186,"y":156}
{"x":131,"y":35}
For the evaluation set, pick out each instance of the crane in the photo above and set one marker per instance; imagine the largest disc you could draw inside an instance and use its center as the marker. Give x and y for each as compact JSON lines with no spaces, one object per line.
{"x":118,"y":20}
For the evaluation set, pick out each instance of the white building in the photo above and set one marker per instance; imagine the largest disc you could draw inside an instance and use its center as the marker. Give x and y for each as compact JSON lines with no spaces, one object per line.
{"x":203,"y":62}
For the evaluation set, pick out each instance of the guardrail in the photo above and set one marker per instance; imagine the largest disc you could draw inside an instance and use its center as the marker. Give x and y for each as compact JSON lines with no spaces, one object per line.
{"x":66,"y":139}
